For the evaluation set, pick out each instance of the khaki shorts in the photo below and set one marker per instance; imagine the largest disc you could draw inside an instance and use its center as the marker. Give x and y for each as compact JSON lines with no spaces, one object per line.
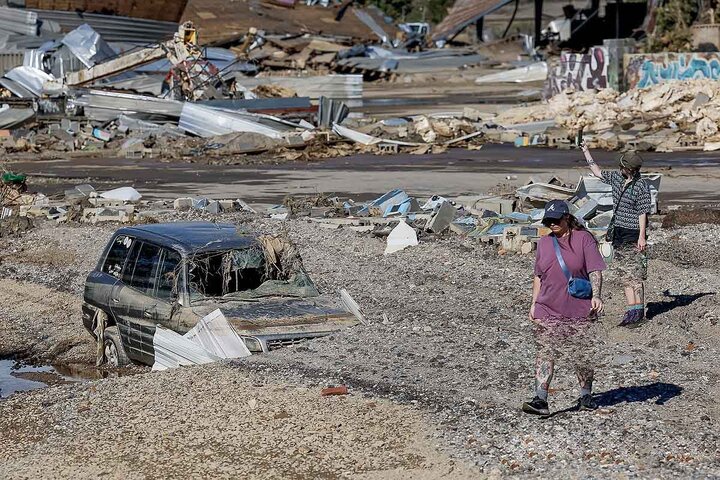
{"x":629,"y":265}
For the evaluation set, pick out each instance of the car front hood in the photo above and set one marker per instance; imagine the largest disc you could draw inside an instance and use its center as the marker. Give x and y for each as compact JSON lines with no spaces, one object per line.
{"x":271,"y":316}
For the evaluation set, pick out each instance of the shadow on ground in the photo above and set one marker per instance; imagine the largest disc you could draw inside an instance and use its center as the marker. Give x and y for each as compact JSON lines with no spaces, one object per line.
{"x":661,"y":391}
{"x":658,"y":308}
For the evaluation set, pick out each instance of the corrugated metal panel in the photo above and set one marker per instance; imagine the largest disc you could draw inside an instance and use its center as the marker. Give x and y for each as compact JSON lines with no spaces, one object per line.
{"x":149,"y":84}
{"x":338,"y":87}
{"x":172,"y":350}
{"x":16,"y":89}
{"x":128,"y":103}
{"x":260,"y":103}
{"x":368,"y":20}
{"x":210,"y":122}
{"x":10,"y":117}
{"x":18,"y":15}
{"x":30,"y":78}
{"x":112,"y":28}
{"x":10,"y":60}
{"x":88,"y":46}
{"x":464,"y":13}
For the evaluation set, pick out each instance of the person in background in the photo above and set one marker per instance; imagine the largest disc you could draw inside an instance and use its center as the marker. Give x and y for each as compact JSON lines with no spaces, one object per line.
{"x":563,"y":322}
{"x":628,"y":229}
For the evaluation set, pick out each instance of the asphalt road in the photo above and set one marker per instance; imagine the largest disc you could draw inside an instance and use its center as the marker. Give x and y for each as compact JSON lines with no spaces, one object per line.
{"x":689,"y":177}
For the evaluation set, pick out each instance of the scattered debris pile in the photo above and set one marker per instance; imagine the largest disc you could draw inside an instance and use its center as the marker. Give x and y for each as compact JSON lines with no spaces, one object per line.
{"x":513,"y":223}
{"x":673,"y":116}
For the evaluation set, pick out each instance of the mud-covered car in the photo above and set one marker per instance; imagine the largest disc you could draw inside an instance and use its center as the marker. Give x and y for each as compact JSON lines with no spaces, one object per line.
{"x":174,"y":274}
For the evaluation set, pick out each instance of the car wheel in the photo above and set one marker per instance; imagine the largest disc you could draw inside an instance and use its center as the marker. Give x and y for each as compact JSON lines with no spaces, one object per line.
{"x":115,"y":355}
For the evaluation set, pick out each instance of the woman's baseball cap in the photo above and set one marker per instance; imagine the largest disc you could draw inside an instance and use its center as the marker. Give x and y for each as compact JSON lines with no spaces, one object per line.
{"x":556,"y":209}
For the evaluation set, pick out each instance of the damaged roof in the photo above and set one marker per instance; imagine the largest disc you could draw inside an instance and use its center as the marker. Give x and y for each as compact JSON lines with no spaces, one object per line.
{"x":464,"y":13}
{"x":150,"y":9}
{"x":220,"y":21}
{"x":192,"y":237}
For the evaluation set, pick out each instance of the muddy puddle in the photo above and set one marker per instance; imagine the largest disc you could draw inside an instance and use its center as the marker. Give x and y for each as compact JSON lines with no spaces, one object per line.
{"x":16,"y":376}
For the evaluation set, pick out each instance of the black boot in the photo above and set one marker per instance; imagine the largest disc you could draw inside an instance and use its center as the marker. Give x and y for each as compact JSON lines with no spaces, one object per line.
{"x":586,"y":402}
{"x":537,"y":406}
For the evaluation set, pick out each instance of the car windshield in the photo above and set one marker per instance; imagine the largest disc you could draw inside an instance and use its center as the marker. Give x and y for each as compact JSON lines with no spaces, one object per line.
{"x":243,"y":274}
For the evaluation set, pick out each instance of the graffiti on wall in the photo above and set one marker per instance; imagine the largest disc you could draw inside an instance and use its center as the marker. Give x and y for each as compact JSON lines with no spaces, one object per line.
{"x":579,"y":71}
{"x":646,"y":70}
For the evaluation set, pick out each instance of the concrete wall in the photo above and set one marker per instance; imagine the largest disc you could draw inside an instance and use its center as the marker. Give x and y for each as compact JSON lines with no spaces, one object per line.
{"x":579,"y":71}
{"x":646,"y":70}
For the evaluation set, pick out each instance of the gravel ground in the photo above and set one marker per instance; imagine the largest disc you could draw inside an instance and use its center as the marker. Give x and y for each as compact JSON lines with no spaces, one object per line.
{"x":454,"y":354}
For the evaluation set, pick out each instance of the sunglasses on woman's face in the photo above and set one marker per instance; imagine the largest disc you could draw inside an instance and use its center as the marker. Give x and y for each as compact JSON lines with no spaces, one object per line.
{"x":551,"y":221}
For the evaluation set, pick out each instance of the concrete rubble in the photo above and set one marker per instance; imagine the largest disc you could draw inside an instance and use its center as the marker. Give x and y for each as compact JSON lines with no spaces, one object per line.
{"x":674,"y":116}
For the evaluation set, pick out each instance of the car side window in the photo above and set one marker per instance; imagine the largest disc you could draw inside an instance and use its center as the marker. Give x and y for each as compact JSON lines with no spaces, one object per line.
{"x":146,"y":267}
{"x":117,"y":255}
{"x":169,"y":276}
{"x":130,"y":263}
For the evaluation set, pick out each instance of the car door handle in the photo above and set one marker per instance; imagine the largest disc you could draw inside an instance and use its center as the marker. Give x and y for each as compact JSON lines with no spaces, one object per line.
{"x":148,"y":312}
{"x":115,"y":300}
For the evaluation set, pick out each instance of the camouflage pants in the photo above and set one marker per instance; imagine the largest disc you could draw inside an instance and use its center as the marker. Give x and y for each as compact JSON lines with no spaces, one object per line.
{"x":629,"y":265}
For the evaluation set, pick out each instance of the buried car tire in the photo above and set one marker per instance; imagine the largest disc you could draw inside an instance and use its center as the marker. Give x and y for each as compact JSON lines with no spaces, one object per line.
{"x":115,"y":355}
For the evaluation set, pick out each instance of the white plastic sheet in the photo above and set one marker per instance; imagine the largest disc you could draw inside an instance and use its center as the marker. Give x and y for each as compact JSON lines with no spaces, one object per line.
{"x":124,"y":194}
{"x":215,"y":334}
{"x":212,"y":339}
{"x":401,"y":237}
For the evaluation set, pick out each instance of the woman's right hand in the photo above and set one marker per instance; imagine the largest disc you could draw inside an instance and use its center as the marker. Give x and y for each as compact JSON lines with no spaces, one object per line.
{"x":531,"y":314}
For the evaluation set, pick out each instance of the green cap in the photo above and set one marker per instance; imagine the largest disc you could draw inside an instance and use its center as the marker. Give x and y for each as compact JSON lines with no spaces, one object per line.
{"x":631,"y":160}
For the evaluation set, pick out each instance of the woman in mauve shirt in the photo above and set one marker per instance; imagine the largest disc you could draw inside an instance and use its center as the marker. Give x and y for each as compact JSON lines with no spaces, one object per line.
{"x":563,"y":323}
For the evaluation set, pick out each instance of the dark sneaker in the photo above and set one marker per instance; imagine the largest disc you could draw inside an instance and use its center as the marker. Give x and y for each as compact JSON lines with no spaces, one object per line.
{"x":586,"y":402}
{"x":537,"y":406}
{"x":633,"y":318}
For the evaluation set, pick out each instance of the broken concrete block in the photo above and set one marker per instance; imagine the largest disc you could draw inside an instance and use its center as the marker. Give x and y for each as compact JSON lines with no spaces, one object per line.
{"x":79,"y":193}
{"x":442,"y":218}
{"x":185,"y":203}
{"x":602,"y":220}
{"x":243,"y":207}
{"x":227,"y":205}
{"x":320,"y":212}
{"x":102,"y":214}
{"x":104,"y":202}
{"x":213,"y":207}
{"x":588,"y":208}
{"x":527,"y":248}
{"x":483,"y":202}
{"x":201,"y":203}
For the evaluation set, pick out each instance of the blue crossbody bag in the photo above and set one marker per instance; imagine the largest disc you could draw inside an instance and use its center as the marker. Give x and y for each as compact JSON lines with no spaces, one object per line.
{"x":577,"y":287}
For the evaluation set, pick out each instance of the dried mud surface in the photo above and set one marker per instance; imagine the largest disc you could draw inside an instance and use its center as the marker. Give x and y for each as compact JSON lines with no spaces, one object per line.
{"x":446,"y":358}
